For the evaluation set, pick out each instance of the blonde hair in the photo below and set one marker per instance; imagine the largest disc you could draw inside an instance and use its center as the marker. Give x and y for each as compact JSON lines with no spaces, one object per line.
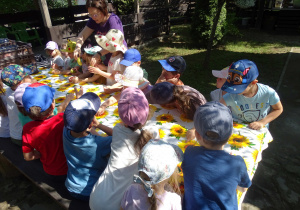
{"x":57,"y":52}
{"x":172,"y":181}
{"x":3,"y":110}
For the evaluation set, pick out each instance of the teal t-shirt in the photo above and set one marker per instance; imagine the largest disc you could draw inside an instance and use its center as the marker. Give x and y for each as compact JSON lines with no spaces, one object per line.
{"x":25,"y":119}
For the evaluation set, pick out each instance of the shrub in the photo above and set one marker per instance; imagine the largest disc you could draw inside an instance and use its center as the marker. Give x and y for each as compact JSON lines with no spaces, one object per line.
{"x":202,"y":22}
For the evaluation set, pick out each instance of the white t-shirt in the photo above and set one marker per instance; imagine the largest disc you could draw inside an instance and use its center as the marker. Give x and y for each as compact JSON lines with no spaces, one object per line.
{"x":216,"y":95}
{"x":108,"y":191}
{"x":58,"y":61}
{"x":15,"y":126}
{"x":136,"y":198}
{"x":114,"y":65}
{"x":66,"y":63}
{"x":4,"y":123}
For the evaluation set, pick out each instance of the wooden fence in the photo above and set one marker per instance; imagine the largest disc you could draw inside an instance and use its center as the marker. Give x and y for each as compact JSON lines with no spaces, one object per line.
{"x":152,"y":18}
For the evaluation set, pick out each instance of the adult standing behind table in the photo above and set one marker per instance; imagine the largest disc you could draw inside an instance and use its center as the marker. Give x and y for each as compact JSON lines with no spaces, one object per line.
{"x":100,"y":22}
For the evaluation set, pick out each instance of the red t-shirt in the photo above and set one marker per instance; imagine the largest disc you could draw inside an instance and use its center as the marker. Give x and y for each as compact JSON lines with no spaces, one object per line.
{"x":47,"y":138}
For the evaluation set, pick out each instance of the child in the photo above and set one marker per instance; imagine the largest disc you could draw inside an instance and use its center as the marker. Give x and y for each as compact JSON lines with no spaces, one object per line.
{"x":113,"y":43}
{"x":42,"y":138}
{"x":131,"y":78}
{"x":248,"y":100}
{"x":4,"y":125}
{"x":128,"y":139}
{"x":65,"y":55}
{"x":222,"y":75}
{"x":184,"y":98}
{"x":157,"y":165}
{"x":56,"y":61}
{"x":84,"y":151}
{"x":86,"y":76}
{"x":72,"y":65}
{"x":23,"y":116}
{"x":13,"y":76}
{"x":172,"y":68}
{"x":211,"y":175}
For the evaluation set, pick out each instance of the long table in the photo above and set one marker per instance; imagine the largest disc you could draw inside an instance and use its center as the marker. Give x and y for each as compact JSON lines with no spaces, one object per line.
{"x":172,"y":126}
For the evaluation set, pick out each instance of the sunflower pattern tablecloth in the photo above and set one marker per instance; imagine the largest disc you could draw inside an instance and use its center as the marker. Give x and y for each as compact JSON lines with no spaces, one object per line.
{"x":172,"y":126}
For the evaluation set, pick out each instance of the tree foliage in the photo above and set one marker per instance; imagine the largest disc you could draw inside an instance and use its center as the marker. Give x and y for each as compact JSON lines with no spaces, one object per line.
{"x":203,"y":19}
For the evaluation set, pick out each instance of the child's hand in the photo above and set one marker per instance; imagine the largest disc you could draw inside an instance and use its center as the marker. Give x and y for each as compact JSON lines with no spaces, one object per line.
{"x":70,"y":97}
{"x":94,"y":59}
{"x":74,"y":79}
{"x":78,"y":93}
{"x":190,"y":135}
{"x":94,"y":70}
{"x":95,"y":122}
{"x":100,"y":111}
{"x":55,"y":71}
{"x":256,"y":125}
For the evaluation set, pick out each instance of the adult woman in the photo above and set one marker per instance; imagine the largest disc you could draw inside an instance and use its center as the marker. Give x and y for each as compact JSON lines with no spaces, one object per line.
{"x":100,"y":22}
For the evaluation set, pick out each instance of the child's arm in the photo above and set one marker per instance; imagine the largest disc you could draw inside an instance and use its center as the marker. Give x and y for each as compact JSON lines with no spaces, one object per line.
{"x":107,"y":103}
{"x":98,"y":71}
{"x":241,"y":189}
{"x":65,"y":103}
{"x":75,"y":79}
{"x":277,"y":109}
{"x":84,"y":75}
{"x":190,"y":134}
{"x":32,"y":155}
{"x":102,"y":127}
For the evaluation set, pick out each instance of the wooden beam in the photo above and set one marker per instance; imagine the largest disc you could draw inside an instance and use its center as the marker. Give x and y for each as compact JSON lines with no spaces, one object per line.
{"x":45,"y":13}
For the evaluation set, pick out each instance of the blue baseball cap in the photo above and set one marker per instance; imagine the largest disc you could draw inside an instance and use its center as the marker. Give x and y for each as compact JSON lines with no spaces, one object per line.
{"x":174,"y":63}
{"x":216,"y":117}
{"x":240,"y":75}
{"x":38,"y":94}
{"x":80,"y":113}
{"x":131,"y":56}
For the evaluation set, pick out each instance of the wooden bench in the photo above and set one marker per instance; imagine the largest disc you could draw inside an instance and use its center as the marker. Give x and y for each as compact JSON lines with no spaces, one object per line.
{"x":34,"y":171}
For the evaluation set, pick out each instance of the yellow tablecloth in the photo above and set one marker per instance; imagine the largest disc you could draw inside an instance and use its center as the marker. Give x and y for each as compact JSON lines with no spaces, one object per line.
{"x":172,"y":126}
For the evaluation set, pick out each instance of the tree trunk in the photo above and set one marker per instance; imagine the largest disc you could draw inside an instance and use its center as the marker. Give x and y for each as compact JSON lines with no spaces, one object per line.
{"x":212,"y":34}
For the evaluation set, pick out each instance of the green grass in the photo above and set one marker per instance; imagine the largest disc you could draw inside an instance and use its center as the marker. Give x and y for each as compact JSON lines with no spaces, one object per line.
{"x":268,"y":51}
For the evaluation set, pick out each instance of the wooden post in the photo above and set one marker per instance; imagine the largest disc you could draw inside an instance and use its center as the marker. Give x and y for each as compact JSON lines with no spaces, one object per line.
{"x":137,"y":6}
{"x":46,"y":17}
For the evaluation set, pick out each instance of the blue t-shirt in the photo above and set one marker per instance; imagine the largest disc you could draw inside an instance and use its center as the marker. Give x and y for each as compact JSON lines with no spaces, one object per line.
{"x":86,"y":159}
{"x":211,"y":178}
{"x":113,"y":22}
{"x":254,"y":108}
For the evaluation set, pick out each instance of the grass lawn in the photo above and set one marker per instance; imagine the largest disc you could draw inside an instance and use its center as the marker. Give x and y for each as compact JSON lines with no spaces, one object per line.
{"x":268,"y":51}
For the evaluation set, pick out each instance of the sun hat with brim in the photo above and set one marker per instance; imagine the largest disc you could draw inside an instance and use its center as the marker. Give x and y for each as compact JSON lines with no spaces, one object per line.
{"x":131,"y":56}
{"x":13,"y":74}
{"x":38,"y":94}
{"x":240,"y":75}
{"x":161,"y":93}
{"x":158,"y":160}
{"x":174,"y":63}
{"x":92,"y":50}
{"x":51,"y":45}
{"x":80,"y":113}
{"x":221,"y":74}
{"x":19,"y":93}
{"x":213,"y":117}
{"x":133,"y":107}
{"x":131,"y":77}
{"x":112,"y":41}
{"x":70,"y":47}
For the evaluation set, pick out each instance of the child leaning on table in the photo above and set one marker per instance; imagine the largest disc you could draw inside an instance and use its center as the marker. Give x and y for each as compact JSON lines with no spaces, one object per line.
{"x":86,"y":76}
{"x":42,"y":138}
{"x":84,"y":151}
{"x":211,"y":175}
{"x":172,"y":68}
{"x":113,"y":43}
{"x":56,"y":61}
{"x":13,"y":76}
{"x":157,"y":166}
{"x":129,"y":137}
{"x":248,"y":100}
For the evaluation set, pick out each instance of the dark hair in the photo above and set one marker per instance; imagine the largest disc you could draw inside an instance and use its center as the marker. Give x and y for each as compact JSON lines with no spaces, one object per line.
{"x":98,"y":4}
{"x":36,"y":114}
{"x":3,"y":110}
{"x":213,"y":135}
{"x":188,"y":103}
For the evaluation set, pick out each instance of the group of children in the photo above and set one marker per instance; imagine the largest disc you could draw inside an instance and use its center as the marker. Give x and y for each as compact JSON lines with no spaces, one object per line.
{"x":131,"y":168}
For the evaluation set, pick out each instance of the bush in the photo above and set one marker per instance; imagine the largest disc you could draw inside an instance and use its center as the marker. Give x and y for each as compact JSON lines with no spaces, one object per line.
{"x":124,"y":7}
{"x":202,"y":22}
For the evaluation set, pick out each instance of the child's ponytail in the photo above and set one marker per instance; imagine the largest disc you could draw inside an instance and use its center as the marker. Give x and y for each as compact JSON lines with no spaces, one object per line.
{"x":142,"y":140}
{"x":153,"y":202}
